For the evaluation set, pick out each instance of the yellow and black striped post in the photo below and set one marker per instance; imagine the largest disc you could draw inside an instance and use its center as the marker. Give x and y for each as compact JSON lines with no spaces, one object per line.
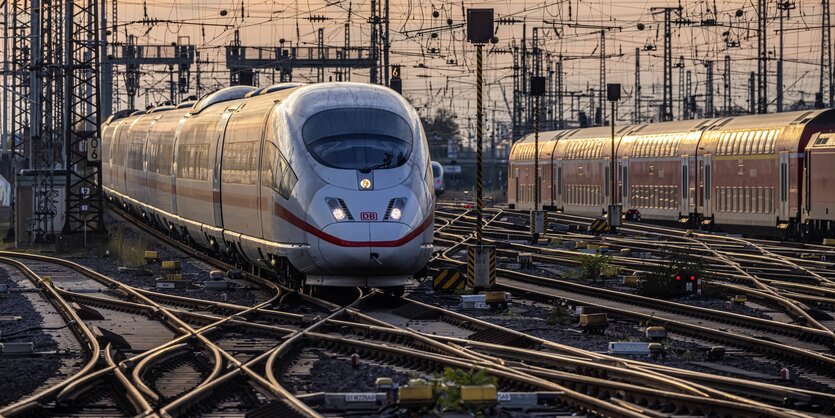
{"x":481,"y":267}
{"x":448,"y":280}
{"x":479,"y":138}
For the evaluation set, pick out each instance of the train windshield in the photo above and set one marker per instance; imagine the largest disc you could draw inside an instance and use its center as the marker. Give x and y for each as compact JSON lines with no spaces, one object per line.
{"x":358,"y":139}
{"x":436,"y":170}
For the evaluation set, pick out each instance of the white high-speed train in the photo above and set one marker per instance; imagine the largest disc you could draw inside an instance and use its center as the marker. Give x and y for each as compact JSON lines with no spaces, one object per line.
{"x":329,"y":184}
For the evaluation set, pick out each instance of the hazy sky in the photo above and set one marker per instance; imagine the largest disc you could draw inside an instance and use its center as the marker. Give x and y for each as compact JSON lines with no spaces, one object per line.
{"x":566,"y":27}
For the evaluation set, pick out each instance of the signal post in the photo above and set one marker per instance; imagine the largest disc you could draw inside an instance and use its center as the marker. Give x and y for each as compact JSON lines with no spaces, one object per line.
{"x":613,"y":95}
{"x":538,"y":217}
{"x":481,"y":266}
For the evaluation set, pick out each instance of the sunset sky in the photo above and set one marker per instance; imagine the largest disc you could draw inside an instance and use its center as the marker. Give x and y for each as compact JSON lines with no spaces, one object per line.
{"x":566,"y":27}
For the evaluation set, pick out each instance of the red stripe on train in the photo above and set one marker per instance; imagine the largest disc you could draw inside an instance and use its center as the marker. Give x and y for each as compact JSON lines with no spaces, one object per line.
{"x":310,"y":229}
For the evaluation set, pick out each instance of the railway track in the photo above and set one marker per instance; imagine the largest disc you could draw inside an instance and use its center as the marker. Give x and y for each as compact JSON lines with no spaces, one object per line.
{"x":725,"y":327}
{"x":229,"y":357}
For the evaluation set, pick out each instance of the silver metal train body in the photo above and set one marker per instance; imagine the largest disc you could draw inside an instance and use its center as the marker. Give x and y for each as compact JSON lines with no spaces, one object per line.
{"x":328,"y":183}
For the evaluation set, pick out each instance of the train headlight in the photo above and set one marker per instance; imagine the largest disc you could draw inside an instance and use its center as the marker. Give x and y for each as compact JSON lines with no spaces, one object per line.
{"x":395,"y":209}
{"x":396,"y":213}
{"x":338,"y":209}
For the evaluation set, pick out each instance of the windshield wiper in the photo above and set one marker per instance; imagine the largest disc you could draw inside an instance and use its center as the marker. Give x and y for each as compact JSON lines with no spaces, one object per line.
{"x":385,"y":164}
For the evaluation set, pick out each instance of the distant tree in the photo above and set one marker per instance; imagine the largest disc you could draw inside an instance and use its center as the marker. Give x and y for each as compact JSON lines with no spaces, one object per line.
{"x":439,"y":129}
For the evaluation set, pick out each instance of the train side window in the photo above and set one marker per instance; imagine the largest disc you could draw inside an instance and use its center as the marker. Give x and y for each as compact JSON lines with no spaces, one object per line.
{"x":625,"y":180}
{"x":726,"y":149}
{"x":749,"y":141}
{"x":738,"y":143}
{"x":606,"y":181}
{"x":762,"y":139}
{"x":773,"y":140}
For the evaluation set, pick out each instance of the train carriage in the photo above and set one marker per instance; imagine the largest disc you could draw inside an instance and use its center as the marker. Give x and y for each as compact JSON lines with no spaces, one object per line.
{"x":741,"y":171}
{"x":655,"y":165}
{"x":328,"y":184}
{"x":819,"y":185}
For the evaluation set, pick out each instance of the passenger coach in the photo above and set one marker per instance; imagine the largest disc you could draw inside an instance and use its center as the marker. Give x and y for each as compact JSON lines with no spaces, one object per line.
{"x":328,"y":184}
{"x":742,"y":171}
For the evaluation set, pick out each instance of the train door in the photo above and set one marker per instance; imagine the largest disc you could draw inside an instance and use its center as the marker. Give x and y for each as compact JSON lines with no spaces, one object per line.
{"x":174,"y":153}
{"x":216,"y":172}
{"x":783,"y":191}
{"x":707,"y":205}
{"x":684,"y":196}
{"x":607,"y":181}
{"x":558,"y":179}
{"x":623,"y":167}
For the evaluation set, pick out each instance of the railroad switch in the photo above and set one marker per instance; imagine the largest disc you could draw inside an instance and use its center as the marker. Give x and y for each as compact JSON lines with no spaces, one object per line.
{"x":387,"y":386}
{"x":594,"y":323}
{"x":417,"y":393}
{"x":656,"y":350}
{"x":105,"y":337}
{"x":171,"y":266}
{"x":656,"y":333}
{"x":151,"y":257}
{"x":479,"y":394}
{"x":86,"y":313}
{"x":497,"y":300}
{"x":525,"y":260}
{"x":631,"y":281}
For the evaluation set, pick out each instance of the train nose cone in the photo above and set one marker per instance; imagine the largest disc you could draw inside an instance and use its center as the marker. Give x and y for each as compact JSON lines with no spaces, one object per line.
{"x":363,"y":247}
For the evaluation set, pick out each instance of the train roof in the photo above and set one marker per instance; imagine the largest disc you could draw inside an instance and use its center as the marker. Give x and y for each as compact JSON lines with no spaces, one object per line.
{"x":659,"y":128}
{"x":770,"y":120}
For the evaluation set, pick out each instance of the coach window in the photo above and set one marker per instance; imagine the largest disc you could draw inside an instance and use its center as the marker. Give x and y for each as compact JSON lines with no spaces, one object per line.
{"x":749,"y":140}
{"x":762,"y":140}
{"x":606,"y":181}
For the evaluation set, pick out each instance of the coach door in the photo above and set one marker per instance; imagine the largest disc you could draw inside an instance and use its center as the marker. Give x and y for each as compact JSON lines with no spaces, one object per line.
{"x":783,"y":192}
{"x":216,"y":173}
{"x":684,"y":195}
{"x":623,"y":167}
{"x":557,"y":183}
{"x":707,"y":181}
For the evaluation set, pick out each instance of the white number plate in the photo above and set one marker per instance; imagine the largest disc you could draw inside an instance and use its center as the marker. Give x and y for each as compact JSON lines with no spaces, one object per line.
{"x":503,"y":397}
{"x":481,"y":305}
{"x":360,"y":397}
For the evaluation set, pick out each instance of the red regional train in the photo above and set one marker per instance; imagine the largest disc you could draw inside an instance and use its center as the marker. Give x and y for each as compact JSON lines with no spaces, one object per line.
{"x":771,"y":172}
